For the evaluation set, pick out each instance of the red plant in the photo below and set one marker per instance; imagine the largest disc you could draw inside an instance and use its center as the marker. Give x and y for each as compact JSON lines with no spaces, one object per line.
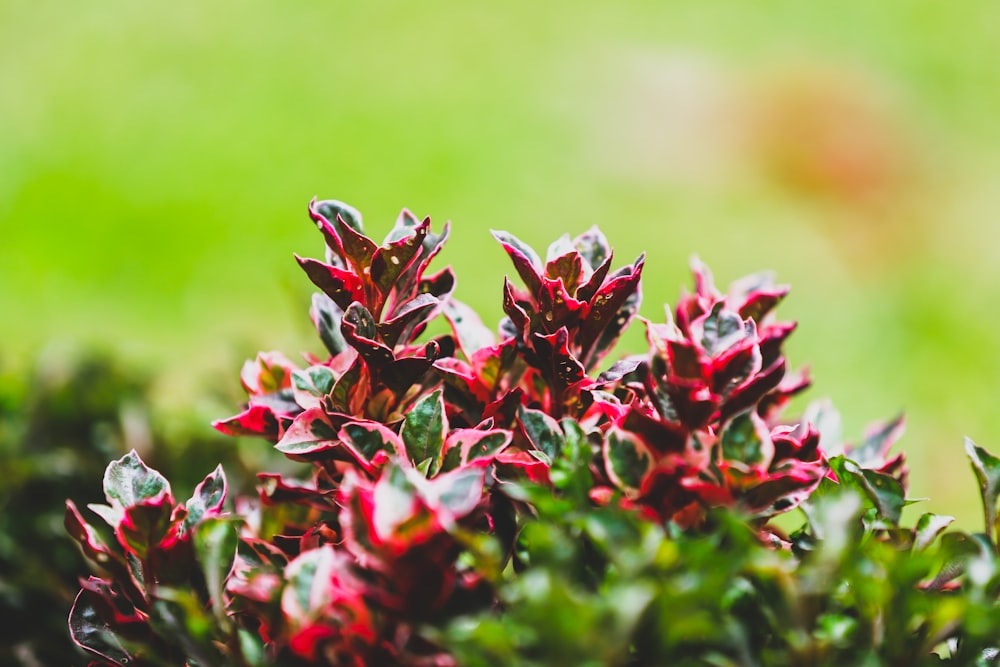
{"x":696,"y":425}
{"x":413,"y":445}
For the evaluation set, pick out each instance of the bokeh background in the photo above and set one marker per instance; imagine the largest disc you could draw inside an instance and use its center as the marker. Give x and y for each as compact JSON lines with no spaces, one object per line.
{"x":156,"y":160}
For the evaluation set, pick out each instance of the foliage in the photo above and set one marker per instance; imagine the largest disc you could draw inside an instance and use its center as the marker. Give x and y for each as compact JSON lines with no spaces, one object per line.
{"x":518,"y":499}
{"x":60,"y":422}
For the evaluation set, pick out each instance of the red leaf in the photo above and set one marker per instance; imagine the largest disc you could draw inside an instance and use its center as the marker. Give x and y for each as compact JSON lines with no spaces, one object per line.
{"x":341,"y":285}
{"x":611,"y":309}
{"x":341,"y":226}
{"x":518,"y":316}
{"x":523,"y":462}
{"x":568,"y":268}
{"x":556,"y":307}
{"x":526,"y":261}
{"x":560,"y":367}
{"x":257,"y":420}
{"x":413,"y":312}
{"x":392,"y":259}
{"x":411,"y":280}
{"x":359,"y":329}
{"x":145,"y":524}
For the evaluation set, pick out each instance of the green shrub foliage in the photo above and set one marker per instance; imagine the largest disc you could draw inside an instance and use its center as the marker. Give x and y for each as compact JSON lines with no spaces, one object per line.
{"x":61,"y":420}
{"x":521,"y":498}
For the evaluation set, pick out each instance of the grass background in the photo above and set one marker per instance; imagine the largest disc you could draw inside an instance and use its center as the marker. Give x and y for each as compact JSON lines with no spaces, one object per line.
{"x":156,"y":160}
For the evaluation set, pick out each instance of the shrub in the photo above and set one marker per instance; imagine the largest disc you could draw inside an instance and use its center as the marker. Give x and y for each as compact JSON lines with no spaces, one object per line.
{"x":61,"y":420}
{"x":469,"y":499}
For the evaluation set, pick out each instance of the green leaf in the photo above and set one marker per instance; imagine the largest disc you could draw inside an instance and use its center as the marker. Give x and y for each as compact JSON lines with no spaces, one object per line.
{"x":470,"y":444}
{"x":836,"y":629}
{"x":885,"y":492}
{"x":252,"y":648}
{"x":362,"y":320}
{"x":91,"y":631}
{"x":331,"y":208}
{"x":833,"y":520}
{"x":571,"y":472}
{"x":269,"y":372}
{"x":368,"y":438}
{"x":722,"y":328}
{"x":741,"y":440}
{"x":878,"y":440}
{"x":396,"y":511}
{"x":128,"y":481}
{"x":424,"y":429}
{"x":929,"y":526}
{"x":576,"y":448}
{"x":987,"y":470}
{"x":308,"y":589}
{"x":326,"y":316}
{"x":207,"y":498}
{"x":627,"y":459}
{"x":593,"y":246}
{"x":542,"y":432}
{"x":317,"y":380}
{"x":451,"y":459}
{"x":457,"y":492}
{"x":424,"y":467}
{"x":340,"y":397}
{"x":179,"y":614}
{"x":215,"y":541}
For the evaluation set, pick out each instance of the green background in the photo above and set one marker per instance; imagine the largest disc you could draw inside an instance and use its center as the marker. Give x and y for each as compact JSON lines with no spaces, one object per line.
{"x":156,"y":160}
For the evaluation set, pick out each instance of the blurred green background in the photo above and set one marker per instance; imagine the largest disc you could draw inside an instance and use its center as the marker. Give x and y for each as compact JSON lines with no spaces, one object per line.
{"x":156,"y":160}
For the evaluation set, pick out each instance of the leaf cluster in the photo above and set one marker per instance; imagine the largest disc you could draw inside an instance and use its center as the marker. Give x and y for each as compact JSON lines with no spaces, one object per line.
{"x":511,"y":498}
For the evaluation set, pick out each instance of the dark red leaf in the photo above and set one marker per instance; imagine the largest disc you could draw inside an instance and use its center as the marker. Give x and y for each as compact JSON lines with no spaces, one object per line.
{"x":341,"y":285}
{"x":558,"y":365}
{"x":392,"y":259}
{"x":568,"y":268}
{"x":341,"y":226}
{"x":526,"y":261}
{"x":556,"y":308}
{"x":611,"y":310}
{"x":587,"y":291}
{"x":360,"y":332}
{"x":411,"y":278}
{"x":145,"y":524}
{"x":257,"y":420}
{"x":515,"y":312}
{"x":405,"y":320}
{"x":93,"y":621}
